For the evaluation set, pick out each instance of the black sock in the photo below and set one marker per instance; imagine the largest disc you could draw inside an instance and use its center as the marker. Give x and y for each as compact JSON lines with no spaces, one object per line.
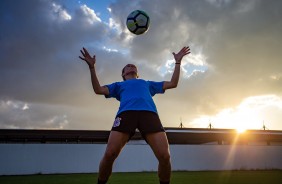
{"x":102,"y":181}
{"x":161,"y":182}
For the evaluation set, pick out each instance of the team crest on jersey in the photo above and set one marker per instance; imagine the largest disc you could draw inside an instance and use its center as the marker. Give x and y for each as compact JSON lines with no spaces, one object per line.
{"x":117,"y":122}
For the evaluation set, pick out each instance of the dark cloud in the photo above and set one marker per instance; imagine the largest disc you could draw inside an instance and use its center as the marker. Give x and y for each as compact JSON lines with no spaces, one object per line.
{"x":40,"y":42}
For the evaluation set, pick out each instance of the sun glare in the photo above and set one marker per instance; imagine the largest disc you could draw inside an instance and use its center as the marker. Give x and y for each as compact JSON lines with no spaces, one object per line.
{"x":250,"y":114}
{"x":240,"y":130}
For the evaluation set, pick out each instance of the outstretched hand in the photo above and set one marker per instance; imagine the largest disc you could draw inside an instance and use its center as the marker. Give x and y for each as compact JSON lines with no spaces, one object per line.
{"x":183,"y":52}
{"x":87,"y":58}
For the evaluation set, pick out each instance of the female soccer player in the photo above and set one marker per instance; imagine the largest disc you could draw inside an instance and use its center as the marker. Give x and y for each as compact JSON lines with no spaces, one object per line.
{"x":137,"y":110}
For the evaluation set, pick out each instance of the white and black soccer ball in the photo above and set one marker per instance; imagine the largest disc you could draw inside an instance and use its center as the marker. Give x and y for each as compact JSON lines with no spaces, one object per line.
{"x":138,"y":22}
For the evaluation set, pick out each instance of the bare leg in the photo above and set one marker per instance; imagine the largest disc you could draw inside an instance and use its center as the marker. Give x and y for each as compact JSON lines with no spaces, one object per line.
{"x":116,"y":142}
{"x":159,"y":144}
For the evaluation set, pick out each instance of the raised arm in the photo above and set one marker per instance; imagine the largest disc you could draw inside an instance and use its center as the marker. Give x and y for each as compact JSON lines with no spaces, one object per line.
{"x":98,"y":89}
{"x":175,"y":76}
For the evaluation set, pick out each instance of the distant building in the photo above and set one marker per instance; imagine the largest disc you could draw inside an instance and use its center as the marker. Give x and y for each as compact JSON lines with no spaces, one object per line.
{"x":80,"y":151}
{"x":175,"y":136}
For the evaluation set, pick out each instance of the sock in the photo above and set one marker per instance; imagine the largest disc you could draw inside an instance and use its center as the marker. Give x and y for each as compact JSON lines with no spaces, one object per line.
{"x":102,"y":181}
{"x":161,"y":182}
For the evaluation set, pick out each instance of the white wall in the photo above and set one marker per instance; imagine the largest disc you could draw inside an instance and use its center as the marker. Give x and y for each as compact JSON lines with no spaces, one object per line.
{"x":16,"y":159}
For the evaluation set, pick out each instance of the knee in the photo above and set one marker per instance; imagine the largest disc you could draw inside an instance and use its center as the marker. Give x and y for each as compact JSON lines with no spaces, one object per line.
{"x":164,"y":158}
{"x":111,"y":155}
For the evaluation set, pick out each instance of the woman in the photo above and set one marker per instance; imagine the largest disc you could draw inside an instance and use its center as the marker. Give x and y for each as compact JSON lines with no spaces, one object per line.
{"x":137,"y":111}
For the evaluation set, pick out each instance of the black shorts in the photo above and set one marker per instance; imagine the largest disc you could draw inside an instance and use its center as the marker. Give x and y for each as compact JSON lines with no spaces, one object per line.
{"x":145,"y":121}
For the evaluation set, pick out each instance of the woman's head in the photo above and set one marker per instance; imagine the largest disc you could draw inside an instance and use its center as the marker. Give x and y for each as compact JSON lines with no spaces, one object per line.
{"x":129,"y":71}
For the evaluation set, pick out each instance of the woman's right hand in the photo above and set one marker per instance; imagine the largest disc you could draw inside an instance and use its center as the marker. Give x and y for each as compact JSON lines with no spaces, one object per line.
{"x":87,"y":58}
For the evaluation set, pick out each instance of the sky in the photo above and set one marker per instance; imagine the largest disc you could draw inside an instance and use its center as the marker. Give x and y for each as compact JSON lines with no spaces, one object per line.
{"x":232,"y":78}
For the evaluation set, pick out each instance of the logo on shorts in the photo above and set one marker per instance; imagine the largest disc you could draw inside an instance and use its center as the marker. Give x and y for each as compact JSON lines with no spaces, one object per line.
{"x":117,"y":122}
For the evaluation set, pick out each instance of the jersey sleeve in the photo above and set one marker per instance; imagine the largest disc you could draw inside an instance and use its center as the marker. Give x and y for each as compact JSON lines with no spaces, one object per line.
{"x":156,"y":87}
{"x":113,"y":90}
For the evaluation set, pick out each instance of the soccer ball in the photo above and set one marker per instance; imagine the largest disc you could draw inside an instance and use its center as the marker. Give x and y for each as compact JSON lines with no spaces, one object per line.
{"x":138,"y":22}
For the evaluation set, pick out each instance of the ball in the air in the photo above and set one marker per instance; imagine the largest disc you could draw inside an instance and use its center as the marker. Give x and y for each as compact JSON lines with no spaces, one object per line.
{"x":138,"y":22}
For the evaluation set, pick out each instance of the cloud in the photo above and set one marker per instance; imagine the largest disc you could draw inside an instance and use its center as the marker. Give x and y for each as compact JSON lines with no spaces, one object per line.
{"x":17,"y":114}
{"x":43,"y":55}
{"x":60,"y":13}
{"x":235,"y":45}
{"x":251,"y":113}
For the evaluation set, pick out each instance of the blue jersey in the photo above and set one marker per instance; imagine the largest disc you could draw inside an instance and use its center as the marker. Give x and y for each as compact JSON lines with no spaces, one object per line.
{"x":135,"y":94}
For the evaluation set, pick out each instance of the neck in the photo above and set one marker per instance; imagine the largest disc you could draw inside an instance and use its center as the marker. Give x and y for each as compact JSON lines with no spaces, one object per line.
{"x":131,"y":76}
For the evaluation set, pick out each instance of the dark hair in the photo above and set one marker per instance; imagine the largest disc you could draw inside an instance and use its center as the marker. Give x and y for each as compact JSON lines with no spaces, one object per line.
{"x":122,"y":73}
